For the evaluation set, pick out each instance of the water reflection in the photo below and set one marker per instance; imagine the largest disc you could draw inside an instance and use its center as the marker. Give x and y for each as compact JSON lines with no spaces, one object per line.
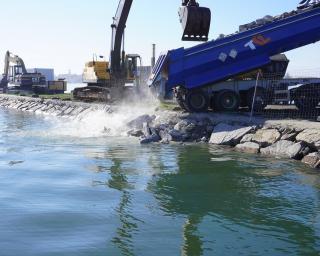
{"x":237,"y":194}
{"x":201,"y":200}
{"x":118,"y":180}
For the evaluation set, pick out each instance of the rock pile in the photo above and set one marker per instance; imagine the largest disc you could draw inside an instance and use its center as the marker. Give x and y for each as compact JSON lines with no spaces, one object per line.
{"x":280,"y":139}
{"x":302,"y":145}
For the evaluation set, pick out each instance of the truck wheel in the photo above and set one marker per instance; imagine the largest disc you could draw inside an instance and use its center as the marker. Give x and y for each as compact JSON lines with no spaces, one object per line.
{"x":196,"y":101}
{"x":226,"y":100}
{"x":260,"y":100}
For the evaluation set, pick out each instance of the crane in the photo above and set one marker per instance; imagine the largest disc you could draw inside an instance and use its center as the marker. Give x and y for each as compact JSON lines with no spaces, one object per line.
{"x":108,"y":79}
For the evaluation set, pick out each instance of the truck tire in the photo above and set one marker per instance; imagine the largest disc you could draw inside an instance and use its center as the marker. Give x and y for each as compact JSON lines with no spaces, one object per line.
{"x":260,"y":100}
{"x":196,"y":101}
{"x":226,"y":100}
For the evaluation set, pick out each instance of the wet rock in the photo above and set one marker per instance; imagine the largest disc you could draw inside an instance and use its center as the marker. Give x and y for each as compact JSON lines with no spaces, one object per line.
{"x":182,"y":125}
{"x":249,"y":147}
{"x":176,"y":135}
{"x":68,"y":111}
{"x":225,"y":134}
{"x":285,"y":148}
{"x":78,"y":111}
{"x":165,"y":136}
{"x":247,"y":138}
{"x":135,"y":133}
{"x":167,"y":117}
{"x":312,"y":160}
{"x":204,"y":140}
{"x":190,"y":128}
{"x":23,"y":105}
{"x":35,"y":108}
{"x":146,"y":130}
{"x":289,"y":136}
{"x":150,"y":139}
{"x":311,"y":137}
{"x":139,"y":121}
{"x":288,"y":133}
{"x":266,"y":137}
{"x":162,"y":126}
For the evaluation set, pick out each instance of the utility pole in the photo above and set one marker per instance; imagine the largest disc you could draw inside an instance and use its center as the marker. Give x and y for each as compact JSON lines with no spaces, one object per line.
{"x":153,"y":59}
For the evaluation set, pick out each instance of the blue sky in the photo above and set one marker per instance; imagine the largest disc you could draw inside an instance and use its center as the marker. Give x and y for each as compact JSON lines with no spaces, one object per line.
{"x":64,"y":34}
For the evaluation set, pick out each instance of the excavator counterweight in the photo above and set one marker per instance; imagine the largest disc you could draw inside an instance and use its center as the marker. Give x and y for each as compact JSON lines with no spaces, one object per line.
{"x":195,"y":21}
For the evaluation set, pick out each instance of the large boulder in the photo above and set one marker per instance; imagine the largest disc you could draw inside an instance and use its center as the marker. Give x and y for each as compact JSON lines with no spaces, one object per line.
{"x":285,"y":148}
{"x":139,"y":121}
{"x":146,"y":130}
{"x":165,"y":136}
{"x":249,"y":147}
{"x":311,"y":137}
{"x":266,"y":137}
{"x":247,"y":138}
{"x":186,"y":126}
{"x":176,"y":135}
{"x":135,"y":133}
{"x":288,"y":134}
{"x":150,"y":139}
{"x":312,"y":159}
{"x":225,"y":134}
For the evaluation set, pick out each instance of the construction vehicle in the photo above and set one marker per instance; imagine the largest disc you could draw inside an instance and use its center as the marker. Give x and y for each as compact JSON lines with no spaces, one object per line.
{"x":16,"y":74}
{"x":113,"y":77}
{"x":207,"y":75}
{"x":20,"y":80}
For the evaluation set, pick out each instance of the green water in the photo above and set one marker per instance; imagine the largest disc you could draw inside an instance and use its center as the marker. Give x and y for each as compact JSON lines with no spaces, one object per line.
{"x":67,"y":195}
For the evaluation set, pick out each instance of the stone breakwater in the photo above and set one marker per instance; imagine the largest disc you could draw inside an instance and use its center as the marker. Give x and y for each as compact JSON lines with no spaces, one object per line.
{"x":294,"y":139}
{"x":299,"y":140}
{"x":50,"y":107}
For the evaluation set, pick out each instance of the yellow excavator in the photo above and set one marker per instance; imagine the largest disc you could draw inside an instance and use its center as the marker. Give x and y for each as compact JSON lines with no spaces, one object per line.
{"x":108,"y":81}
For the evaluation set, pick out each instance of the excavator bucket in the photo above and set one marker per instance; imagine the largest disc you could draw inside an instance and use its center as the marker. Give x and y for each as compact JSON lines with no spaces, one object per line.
{"x":195,"y":22}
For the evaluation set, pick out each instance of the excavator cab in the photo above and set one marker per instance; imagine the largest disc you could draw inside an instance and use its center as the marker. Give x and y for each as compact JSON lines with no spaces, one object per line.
{"x":132,"y":66}
{"x":195,"y":21}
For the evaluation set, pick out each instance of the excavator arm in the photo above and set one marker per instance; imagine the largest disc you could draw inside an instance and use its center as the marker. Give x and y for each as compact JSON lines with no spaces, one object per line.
{"x":14,"y":59}
{"x":195,"y":22}
{"x":117,"y":56}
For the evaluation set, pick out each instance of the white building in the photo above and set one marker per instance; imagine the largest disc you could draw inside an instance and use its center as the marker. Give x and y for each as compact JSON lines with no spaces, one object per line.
{"x":47,"y":72}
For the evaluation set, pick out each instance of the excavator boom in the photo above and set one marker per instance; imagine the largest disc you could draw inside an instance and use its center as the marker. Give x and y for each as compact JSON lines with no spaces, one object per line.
{"x":195,"y":21}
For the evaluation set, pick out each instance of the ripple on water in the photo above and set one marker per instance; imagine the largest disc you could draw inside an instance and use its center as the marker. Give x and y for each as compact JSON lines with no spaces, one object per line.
{"x":110,"y":196}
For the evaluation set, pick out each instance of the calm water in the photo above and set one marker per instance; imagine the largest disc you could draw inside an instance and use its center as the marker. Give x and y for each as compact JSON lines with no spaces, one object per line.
{"x":64,"y":195}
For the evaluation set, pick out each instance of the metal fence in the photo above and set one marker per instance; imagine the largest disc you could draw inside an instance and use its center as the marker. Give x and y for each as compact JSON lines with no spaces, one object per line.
{"x":296,"y":96}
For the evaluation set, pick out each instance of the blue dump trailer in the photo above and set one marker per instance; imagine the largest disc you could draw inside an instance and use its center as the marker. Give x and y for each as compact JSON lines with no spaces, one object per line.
{"x":204,"y":76}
